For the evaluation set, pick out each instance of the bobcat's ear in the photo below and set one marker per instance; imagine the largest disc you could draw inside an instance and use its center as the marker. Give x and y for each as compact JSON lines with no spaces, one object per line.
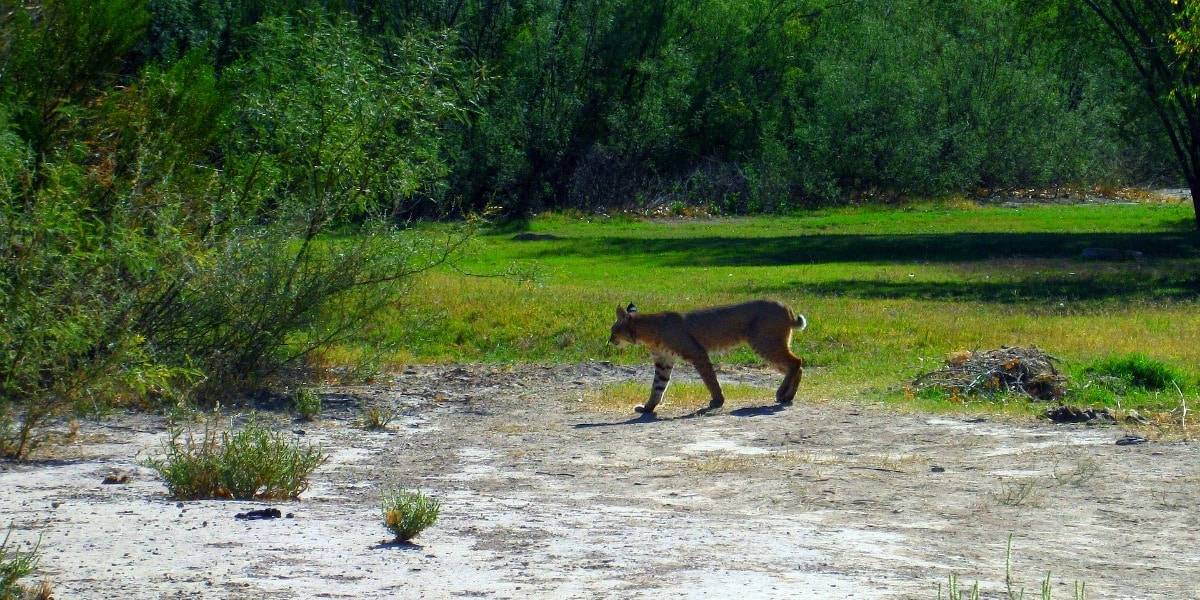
{"x":631,"y":308}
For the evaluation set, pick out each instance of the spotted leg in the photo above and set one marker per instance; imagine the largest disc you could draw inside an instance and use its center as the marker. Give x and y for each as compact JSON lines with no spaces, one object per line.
{"x":663,"y":364}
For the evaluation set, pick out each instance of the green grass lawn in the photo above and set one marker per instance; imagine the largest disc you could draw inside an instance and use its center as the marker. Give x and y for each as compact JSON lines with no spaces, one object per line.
{"x":889,"y":292}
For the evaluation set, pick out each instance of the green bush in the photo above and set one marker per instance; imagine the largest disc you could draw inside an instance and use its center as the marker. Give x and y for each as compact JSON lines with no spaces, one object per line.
{"x":1137,"y":371}
{"x":163,"y":225}
{"x":407,"y":514}
{"x":251,"y":463}
{"x":14,"y":565}
{"x":100,"y":212}
{"x":306,"y":403}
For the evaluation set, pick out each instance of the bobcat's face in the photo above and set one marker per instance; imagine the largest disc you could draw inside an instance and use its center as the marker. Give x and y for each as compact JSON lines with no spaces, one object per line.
{"x":622,"y":330}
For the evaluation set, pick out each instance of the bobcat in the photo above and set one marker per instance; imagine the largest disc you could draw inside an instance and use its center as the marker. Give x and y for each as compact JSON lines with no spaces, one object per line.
{"x":766,"y":325}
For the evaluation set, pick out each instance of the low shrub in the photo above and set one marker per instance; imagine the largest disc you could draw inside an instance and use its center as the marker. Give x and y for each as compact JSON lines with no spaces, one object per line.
{"x":1137,"y":371}
{"x":306,"y":403}
{"x":251,"y":463}
{"x":15,"y":565}
{"x":407,"y":514}
{"x":374,"y":418}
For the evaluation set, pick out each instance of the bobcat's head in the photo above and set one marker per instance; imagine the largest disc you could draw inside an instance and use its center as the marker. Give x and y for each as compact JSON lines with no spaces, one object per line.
{"x":622,"y":330}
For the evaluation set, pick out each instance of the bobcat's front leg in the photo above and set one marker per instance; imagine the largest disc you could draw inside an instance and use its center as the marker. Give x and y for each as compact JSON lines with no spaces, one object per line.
{"x":704,"y":366}
{"x":663,"y":364}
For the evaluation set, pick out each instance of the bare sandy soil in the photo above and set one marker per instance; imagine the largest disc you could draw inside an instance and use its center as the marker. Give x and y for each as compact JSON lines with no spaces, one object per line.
{"x":545,"y":497}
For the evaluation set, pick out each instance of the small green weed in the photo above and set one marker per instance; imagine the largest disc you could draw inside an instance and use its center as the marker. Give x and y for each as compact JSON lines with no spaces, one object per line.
{"x":251,"y":463}
{"x":306,"y":403}
{"x":1020,"y":492}
{"x":374,"y":418}
{"x":955,"y":593}
{"x":14,"y":565}
{"x":1083,"y":472}
{"x":407,"y":514}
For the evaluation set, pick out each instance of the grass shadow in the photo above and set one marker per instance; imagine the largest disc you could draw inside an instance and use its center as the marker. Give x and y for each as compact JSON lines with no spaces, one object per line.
{"x":1024,"y":288}
{"x":721,"y":251}
{"x":1021,"y":267}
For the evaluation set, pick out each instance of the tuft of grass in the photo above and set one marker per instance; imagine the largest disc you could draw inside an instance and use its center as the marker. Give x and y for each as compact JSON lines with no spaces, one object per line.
{"x":954,"y":592}
{"x":15,"y":565}
{"x":1142,"y":389}
{"x":1136,"y":371}
{"x":1019,"y":492}
{"x":250,"y":463}
{"x":306,"y":403}
{"x":1084,"y":471}
{"x":374,"y":418}
{"x":406,"y":514}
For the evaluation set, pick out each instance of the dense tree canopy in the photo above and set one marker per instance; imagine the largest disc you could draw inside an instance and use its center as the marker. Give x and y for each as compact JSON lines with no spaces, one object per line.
{"x":755,"y":105}
{"x":1160,"y":39}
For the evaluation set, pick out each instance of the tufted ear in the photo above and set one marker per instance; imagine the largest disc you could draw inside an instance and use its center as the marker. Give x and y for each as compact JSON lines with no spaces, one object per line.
{"x":631,"y":308}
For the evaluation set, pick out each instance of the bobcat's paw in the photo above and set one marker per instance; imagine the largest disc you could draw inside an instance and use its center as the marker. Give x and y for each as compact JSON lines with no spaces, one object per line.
{"x":716,"y":403}
{"x":641,"y":408}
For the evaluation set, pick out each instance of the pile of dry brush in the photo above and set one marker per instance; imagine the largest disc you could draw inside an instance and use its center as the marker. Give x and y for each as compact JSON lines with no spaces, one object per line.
{"x":1024,"y":370}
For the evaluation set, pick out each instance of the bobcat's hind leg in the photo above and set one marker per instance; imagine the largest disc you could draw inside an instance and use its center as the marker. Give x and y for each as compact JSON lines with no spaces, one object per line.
{"x":777,"y":351}
{"x":793,"y":371}
{"x":663,"y":364}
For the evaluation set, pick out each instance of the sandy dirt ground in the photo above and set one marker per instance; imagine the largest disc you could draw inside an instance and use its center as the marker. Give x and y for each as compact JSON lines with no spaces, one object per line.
{"x":546,"y":496}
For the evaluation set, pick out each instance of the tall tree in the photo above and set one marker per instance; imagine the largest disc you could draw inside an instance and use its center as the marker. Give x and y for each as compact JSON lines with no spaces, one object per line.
{"x":1149,"y":32}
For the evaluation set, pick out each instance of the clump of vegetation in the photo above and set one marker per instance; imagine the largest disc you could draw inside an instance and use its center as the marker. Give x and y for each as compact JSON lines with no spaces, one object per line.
{"x":306,"y":403}
{"x":14,"y":565}
{"x":1136,"y":382}
{"x":1011,"y":593}
{"x":407,"y":514}
{"x":375,"y":418}
{"x":250,"y":463}
{"x":1136,"y":372}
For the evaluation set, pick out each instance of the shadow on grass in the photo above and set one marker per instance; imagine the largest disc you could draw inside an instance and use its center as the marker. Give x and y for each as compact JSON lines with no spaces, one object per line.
{"x":1032,"y":288}
{"x":718,"y":251}
{"x":1169,"y":271}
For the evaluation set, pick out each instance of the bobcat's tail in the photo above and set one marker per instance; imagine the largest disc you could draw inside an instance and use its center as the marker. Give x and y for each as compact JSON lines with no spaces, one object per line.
{"x":800,"y":323}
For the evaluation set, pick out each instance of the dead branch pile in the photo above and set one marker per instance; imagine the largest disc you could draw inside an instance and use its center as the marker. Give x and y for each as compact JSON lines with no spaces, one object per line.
{"x":1025,"y":370}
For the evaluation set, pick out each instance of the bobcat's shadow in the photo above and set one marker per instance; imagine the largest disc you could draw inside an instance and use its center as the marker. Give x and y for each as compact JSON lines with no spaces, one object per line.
{"x":746,"y":411}
{"x":759,"y":411}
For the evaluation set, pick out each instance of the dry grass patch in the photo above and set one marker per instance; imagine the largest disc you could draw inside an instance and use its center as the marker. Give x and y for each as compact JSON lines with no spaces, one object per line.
{"x":1019,"y":491}
{"x":735,"y":463}
{"x":510,"y":428}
